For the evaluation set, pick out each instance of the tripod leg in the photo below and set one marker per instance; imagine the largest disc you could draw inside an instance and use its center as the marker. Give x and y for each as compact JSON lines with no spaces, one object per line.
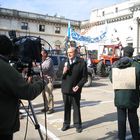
{"x":37,"y":126}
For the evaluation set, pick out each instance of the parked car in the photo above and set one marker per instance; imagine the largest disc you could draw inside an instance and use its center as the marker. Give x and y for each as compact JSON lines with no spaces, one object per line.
{"x":59,"y":61}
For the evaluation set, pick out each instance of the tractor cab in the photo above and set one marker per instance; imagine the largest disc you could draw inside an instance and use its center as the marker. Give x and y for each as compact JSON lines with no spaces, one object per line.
{"x":110,"y":54}
{"x":103,"y":56}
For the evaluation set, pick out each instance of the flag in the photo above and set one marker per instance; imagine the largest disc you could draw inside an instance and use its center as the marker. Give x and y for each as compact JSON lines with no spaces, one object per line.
{"x":69,"y":31}
{"x":68,"y":37}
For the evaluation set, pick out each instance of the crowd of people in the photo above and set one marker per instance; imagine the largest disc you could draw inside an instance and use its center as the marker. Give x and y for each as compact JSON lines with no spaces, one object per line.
{"x":13,"y":88}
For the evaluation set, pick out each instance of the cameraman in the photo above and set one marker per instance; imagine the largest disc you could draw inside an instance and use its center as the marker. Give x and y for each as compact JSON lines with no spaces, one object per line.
{"x":12,"y":88}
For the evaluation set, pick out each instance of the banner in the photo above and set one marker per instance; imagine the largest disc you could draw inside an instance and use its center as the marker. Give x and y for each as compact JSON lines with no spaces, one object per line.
{"x":72,"y":35}
{"x":87,"y":39}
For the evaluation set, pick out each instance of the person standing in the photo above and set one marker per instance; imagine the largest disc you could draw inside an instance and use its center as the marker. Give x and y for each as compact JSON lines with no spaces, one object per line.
{"x":48,"y":72}
{"x":13,"y":87}
{"x":73,"y":79}
{"x":127,"y":93}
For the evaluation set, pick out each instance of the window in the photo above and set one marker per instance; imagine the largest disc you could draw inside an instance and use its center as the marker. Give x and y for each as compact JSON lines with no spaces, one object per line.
{"x":110,"y":51}
{"x":116,"y":9}
{"x":24,"y":25}
{"x":105,"y":51}
{"x":57,"y":30}
{"x":55,"y":60}
{"x":103,"y":13}
{"x":117,"y":52}
{"x":42,"y":28}
{"x":63,"y":59}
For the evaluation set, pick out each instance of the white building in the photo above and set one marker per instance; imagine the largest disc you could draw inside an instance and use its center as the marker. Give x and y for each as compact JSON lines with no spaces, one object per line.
{"x":109,"y":25}
{"x":51,"y":28}
{"x":119,"y":22}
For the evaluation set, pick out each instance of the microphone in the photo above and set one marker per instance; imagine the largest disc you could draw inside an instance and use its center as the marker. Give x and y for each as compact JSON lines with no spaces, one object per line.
{"x":66,"y":64}
{"x":66,"y":67}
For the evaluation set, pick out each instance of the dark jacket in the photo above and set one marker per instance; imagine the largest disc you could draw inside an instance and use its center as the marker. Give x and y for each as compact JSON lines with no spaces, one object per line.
{"x":127,"y":98}
{"x":76,"y":75}
{"x":12,"y":88}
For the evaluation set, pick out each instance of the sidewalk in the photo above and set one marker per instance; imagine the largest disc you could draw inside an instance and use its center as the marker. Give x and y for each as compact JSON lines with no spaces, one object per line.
{"x":98,"y":116}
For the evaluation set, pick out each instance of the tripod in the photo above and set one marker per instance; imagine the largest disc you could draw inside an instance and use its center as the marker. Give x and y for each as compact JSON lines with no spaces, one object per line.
{"x":35,"y":122}
{"x":34,"y":118}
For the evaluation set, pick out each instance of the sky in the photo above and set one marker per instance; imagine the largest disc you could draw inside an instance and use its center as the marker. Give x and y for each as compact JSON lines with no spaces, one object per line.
{"x":70,"y":9}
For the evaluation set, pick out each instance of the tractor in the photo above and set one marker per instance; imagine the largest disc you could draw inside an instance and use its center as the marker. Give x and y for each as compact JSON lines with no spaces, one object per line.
{"x":102,"y":64}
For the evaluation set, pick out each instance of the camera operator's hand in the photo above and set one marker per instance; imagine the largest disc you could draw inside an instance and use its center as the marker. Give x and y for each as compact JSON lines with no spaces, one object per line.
{"x":34,"y":64}
{"x":29,"y":79}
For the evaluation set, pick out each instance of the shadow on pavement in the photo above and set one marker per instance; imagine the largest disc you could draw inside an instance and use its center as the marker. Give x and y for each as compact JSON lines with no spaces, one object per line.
{"x":38,"y":107}
{"x":110,"y":136}
{"x":106,"y":118}
{"x":96,"y":84}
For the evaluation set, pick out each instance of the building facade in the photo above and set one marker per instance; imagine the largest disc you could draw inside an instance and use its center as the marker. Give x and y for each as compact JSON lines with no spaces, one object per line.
{"x":53,"y":29}
{"x":119,"y":22}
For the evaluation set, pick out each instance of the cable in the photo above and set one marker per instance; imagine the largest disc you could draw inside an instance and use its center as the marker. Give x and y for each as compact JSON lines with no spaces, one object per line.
{"x":26,"y":125}
{"x":35,"y":122}
{"x":27,"y":110}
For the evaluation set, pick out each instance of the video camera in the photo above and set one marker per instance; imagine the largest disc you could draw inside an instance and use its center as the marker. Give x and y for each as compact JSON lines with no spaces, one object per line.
{"x":27,"y":50}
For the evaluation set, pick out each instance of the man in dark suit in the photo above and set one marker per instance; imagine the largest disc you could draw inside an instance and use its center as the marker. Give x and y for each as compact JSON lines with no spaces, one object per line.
{"x":73,"y":79}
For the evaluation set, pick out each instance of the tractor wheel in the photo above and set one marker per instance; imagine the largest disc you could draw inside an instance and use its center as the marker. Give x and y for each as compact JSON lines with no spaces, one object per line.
{"x":89,"y":81}
{"x":101,"y":69}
